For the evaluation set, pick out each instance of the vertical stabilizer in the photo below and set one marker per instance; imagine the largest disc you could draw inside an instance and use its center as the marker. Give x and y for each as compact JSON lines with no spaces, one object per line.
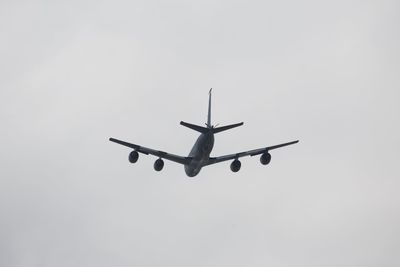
{"x":209,"y":110}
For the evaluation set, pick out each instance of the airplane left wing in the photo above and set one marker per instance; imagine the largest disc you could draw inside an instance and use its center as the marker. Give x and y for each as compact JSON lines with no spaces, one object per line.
{"x":158,"y":153}
{"x":213,"y":160}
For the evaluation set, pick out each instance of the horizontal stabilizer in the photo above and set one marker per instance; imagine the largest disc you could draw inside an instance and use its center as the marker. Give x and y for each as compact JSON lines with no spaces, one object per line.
{"x":227,"y":127}
{"x":195,"y":127}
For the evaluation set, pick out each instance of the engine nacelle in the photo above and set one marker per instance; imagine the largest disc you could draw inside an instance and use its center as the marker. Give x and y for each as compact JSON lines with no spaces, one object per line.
{"x":133,"y":156}
{"x":265,"y":158}
{"x":158,"y":165}
{"x":235,"y":165}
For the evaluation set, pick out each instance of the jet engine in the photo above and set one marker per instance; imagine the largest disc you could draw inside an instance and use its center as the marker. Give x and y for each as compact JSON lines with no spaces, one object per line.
{"x":265,"y":158}
{"x":235,"y":165}
{"x":133,"y":156}
{"x":158,"y":165}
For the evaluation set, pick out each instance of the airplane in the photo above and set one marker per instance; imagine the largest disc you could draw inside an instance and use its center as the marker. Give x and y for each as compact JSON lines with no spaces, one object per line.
{"x":199,"y":156}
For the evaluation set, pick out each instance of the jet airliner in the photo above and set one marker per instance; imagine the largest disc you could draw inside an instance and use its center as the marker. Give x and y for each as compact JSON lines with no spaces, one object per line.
{"x":199,"y":156}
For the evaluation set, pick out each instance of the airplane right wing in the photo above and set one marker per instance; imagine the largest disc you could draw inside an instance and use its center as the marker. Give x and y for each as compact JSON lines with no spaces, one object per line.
{"x":254,"y":152}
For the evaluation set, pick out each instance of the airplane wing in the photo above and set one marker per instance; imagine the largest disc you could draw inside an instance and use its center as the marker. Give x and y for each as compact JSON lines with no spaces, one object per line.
{"x":158,"y":153}
{"x":213,"y":160}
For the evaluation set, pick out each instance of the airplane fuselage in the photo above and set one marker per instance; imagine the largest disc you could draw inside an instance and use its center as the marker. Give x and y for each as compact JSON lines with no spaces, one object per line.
{"x":200,"y":153}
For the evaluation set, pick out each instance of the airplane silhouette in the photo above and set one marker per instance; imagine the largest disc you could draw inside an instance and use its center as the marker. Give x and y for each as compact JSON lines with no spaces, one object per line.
{"x":199,"y":156}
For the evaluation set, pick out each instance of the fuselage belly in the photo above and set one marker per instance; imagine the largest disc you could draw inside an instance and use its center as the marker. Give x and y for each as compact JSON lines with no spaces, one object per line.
{"x":200,"y":154}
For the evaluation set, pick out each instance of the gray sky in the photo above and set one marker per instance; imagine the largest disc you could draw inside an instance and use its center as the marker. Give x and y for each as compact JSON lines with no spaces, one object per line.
{"x":74,"y":73}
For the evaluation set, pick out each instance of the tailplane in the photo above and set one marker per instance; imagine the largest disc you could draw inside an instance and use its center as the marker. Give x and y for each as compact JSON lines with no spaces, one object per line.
{"x":198,"y":128}
{"x":210,"y":127}
{"x":202,"y":129}
{"x":227,"y":127}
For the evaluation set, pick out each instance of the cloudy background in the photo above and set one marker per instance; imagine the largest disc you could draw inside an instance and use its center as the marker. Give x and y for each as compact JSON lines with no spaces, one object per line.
{"x":74,"y":73}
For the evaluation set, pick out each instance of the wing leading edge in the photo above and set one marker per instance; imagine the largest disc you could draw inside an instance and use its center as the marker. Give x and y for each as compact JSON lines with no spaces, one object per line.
{"x":253,"y":152}
{"x":149,"y":151}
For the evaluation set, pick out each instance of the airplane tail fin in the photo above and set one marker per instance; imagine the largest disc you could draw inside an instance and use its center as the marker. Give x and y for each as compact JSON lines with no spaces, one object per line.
{"x":210,"y":127}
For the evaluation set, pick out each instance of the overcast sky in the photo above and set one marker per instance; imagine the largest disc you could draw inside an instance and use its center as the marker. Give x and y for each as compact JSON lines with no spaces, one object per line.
{"x":74,"y":73}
